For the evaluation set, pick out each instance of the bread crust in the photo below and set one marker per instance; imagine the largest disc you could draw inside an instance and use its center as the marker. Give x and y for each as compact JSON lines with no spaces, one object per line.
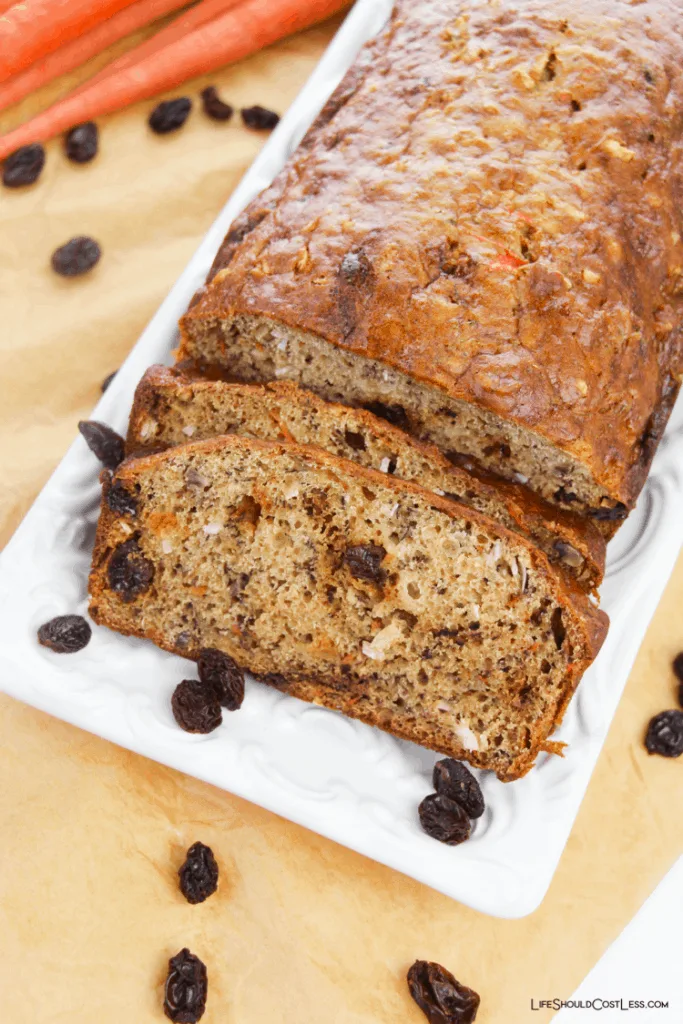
{"x":507,"y":178}
{"x":532,"y":516}
{"x":589,"y":622}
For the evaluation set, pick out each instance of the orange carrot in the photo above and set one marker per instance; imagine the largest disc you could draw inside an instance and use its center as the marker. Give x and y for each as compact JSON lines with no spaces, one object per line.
{"x":31,"y":29}
{"x":199,"y":15}
{"x":80,"y":50}
{"x":236,"y":34}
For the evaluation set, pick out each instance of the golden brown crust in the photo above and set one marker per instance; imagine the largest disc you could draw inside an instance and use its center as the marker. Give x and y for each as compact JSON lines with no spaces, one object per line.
{"x":589,"y":623}
{"x":508,"y":177}
{"x":532,"y":515}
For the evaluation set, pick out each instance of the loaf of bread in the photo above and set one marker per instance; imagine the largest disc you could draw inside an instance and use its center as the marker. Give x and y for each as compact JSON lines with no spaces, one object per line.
{"x":170,"y":409}
{"x":348,"y":587}
{"x":481,"y":236}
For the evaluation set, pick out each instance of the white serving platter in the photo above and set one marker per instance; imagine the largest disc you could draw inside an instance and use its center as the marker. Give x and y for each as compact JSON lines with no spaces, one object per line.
{"x":342,"y":779}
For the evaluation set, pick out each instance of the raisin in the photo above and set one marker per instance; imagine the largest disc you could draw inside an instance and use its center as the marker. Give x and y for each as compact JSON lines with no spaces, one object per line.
{"x":394,"y":414}
{"x":199,"y":874}
{"x":365,"y":562}
{"x":186,"y":988}
{"x":355,"y":267}
{"x":442,"y":999}
{"x":76,"y":256}
{"x":81,"y":142}
{"x":259,"y":118}
{"x":272,"y":679}
{"x":565,"y":496}
{"x":678,"y":667}
{"x":129,"y":572}
{"x":609,"y":515}
{"x":65,"y":634}
{"x":170,"y":115}
{"x":460,"y":459}
{"x":218,"y":671}
{"x":455,"y":780}
{"x":443,"y":819}
{"x":23,"y":167}
{"x":557,"y":627}
{"x":213,"y":105}
{"x":195,"y":707}
{"x":665,"y":734}
{"x":121,"y":501}
{"x":499,"y":448}
{"x":107,"y":381}
{"x":354,"y":440}
{"x":678,"y":672}
{"x":105,"y":443}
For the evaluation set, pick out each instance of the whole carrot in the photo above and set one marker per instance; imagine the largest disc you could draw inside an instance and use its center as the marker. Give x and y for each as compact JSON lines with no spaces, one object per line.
{"x":187,"y":22}
{"x":31,"y":29}
{"x":80,"y":50}
{"x":236,"y":34}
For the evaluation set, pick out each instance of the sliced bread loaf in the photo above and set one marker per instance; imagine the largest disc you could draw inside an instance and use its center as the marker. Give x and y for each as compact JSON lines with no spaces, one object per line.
{"x":481,"y":231}
{"x":349,"y":588}
{"x":170,"y":409}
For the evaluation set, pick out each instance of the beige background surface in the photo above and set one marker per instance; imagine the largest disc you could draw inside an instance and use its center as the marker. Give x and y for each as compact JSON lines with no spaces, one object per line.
{"x":302,"y":931}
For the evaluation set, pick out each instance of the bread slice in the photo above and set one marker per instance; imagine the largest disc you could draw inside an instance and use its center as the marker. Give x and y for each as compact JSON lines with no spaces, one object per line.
{"x":448,"y":242}
{"x":347,"y":587}
{"x":170,"y":409}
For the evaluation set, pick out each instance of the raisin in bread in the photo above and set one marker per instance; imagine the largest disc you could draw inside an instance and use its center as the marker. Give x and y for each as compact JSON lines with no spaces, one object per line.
{"x":170,"y":409}
{"x":482,"y":234}
{"x":349,"y":588}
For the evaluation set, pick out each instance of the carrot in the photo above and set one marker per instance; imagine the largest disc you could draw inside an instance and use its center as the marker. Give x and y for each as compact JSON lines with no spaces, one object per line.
{"x":236,"y":34}
{"x":80,"y":50}
{"x":180,"y":26}
{"x":31,"y":29}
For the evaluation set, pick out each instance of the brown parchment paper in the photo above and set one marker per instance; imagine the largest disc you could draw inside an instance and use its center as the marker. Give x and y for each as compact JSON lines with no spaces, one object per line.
{"x":301,"y":931}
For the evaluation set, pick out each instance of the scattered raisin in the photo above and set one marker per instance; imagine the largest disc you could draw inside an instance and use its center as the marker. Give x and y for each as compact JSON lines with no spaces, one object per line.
{"x":678,"y":672}
{"x":105,"y":443}
{"x":213,"y":105}
{"x":81,"y":142}
{"x":678,"y":667}
{"x":355,"y":267}
{"x":259,"y":118}
{"x":443,"y":819}
{"x":23,"y":167}
{"x":129,"y":572}
{"x":65,"y":634}
{"x":186,"y":988}
{"x":195,"y":707}
{"x":121,"y":501}
{"x":170,"y":115}
{"x":224,"y":676}
{"x":107,"y":381}
{"x":76,"y":256}
{"x":394,"y":414}
{"x":455,"y":780}
{"x":199,"y":874}
{"x":442,"y":999}
{"x":365,"y":562}
{"x":665,"y":734}
{"x":354,"y":440}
